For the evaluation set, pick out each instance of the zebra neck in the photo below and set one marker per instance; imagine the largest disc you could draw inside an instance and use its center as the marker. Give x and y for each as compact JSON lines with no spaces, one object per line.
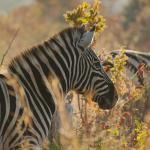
{"x":40,"y":72}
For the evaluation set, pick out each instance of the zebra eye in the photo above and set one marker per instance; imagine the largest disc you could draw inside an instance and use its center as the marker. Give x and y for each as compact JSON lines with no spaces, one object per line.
{"x":97,"y":65}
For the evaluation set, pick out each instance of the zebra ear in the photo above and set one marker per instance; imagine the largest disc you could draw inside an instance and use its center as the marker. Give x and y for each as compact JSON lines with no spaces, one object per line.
{"x":87,"y":38}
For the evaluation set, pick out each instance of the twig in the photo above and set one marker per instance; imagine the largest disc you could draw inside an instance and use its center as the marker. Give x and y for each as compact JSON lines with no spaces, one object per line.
{"x":4,"y":55}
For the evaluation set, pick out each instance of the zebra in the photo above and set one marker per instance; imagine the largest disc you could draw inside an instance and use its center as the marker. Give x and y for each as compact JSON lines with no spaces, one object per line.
{"x":137,"y":64}
{"x":26,"y":86}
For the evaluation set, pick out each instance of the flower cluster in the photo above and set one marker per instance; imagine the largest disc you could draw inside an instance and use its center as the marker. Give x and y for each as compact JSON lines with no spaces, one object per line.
{"x":86,"y":14}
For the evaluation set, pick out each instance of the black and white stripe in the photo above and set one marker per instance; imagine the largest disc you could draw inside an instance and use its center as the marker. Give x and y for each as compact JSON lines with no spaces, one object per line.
{"x":134,"y":60}
{"x":27,"y":88}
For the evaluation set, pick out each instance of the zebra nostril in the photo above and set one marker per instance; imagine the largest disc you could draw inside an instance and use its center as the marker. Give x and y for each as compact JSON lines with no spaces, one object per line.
{"x":106,"y":101}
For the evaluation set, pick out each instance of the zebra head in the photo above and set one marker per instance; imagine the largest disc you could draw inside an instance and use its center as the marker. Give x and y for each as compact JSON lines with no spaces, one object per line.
{"x":90,"y":76}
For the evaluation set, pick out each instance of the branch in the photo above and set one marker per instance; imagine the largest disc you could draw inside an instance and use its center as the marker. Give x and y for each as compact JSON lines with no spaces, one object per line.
{"x":4,"y":55}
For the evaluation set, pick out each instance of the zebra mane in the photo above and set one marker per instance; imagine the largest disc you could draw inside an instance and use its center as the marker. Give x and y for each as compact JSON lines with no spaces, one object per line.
{"x":74,"y":31}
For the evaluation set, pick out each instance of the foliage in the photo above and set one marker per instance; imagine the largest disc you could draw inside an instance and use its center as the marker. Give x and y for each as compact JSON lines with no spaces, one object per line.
{"x":118,"y":66}
{"x":139,"y":135}
{"x":123,"y":127}
{"x":131,"y":12}
{"x":86,"y":14}
{"x":136,"y":22}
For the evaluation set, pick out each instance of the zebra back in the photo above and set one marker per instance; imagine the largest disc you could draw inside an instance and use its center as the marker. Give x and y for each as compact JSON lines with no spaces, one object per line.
{"x":136,"y":62}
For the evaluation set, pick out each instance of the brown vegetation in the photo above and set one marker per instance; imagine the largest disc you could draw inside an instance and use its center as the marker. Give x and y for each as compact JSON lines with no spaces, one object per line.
{"x":127,"y":126}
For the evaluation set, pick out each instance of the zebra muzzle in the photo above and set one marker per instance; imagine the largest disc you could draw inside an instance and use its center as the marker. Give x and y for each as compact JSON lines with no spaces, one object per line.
{"x":107,"y":101}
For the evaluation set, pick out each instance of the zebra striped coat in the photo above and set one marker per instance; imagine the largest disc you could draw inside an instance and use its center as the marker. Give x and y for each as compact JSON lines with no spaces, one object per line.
{"x":28,"y":96}
{"x":135,"y":61}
